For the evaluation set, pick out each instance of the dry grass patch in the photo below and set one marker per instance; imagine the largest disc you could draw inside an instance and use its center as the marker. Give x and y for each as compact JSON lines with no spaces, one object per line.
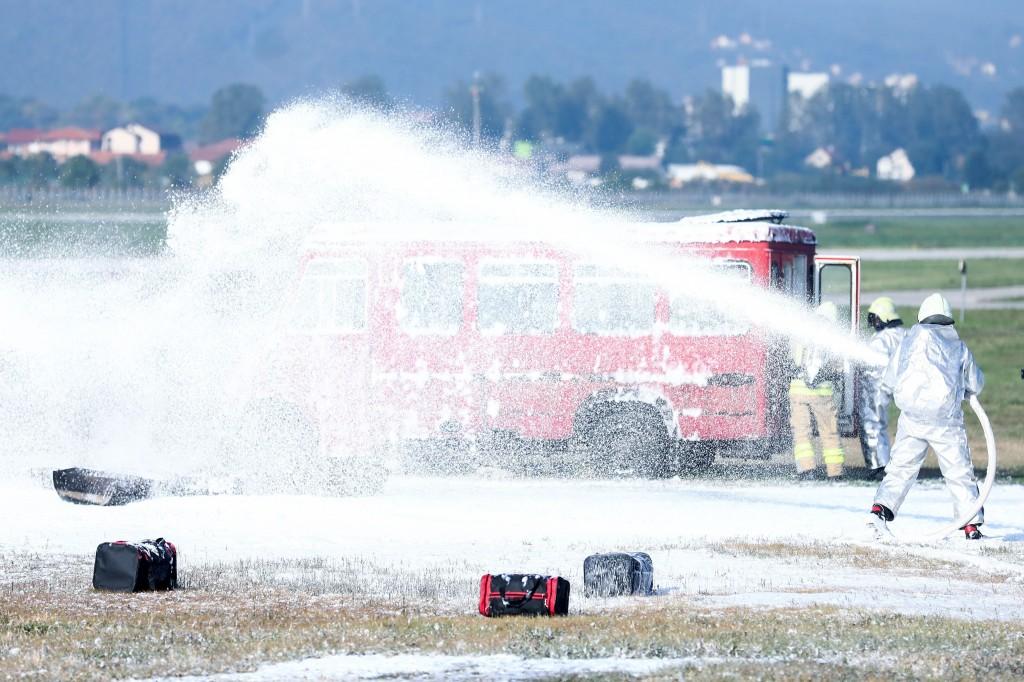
{"x":56,"y":627}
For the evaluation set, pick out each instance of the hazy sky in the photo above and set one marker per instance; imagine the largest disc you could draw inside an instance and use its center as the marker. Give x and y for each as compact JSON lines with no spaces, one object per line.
{"x":181,"y":50}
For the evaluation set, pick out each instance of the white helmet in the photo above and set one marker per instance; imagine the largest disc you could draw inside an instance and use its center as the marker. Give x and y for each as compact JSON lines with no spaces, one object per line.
{"x":935,"y":306}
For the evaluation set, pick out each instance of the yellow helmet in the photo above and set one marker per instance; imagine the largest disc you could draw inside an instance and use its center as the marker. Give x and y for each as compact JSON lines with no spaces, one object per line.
{"x":884,"y":309}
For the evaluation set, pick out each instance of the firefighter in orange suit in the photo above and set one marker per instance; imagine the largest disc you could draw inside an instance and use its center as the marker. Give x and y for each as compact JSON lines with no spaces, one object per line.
{"x":811,"y":404}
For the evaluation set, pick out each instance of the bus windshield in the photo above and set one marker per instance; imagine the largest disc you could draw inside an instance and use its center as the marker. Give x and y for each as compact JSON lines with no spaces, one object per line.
{"x":692,"y":316}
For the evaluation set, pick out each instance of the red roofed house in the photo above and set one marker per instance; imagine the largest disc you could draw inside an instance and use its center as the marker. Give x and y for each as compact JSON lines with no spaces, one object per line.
{"x":203,"y":158}
{"x":18,"y":140}
{"x":62,"y":143}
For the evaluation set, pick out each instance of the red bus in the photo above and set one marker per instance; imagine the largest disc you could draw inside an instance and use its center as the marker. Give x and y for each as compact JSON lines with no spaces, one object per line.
{"x":444,"y":342}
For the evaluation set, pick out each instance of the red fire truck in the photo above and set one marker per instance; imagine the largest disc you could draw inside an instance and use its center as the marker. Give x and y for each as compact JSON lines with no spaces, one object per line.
{"x":434,"y":339}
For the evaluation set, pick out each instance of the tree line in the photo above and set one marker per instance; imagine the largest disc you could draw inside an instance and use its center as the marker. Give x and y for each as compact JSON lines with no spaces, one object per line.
{"x":855,"y":124}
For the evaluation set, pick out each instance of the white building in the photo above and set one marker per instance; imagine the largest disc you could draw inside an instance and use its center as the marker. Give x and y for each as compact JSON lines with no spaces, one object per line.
{"x":138,"y":139}
{"x":680,"y":174}
{"x":807,"y":84}
{"x":62,"y":143}
{"x":760,"y":84}
{"x":820,"y":158}
{"x":895,"y":166}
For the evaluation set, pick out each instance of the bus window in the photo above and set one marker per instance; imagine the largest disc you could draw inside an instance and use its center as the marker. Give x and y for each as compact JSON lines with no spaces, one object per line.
{"x":612,"y":302}
{"x":331,"y":297}
{"x":790,"y":277}
{"x":517,"y":297}
{"x":697,"y":317}
{"x":431,"y":297}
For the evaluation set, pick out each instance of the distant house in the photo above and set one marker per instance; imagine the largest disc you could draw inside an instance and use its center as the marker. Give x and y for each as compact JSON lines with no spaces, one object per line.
{"x":62,"y":143}
{"x":103,"y":158}
{"x":205,"y":158}
{"x":138,"y":139}
{"x":820,"y":158}
{"x":652,"y":163}
{"x":895,"y":167}
{"x":680,"y":174}
{"x":578,"y":168}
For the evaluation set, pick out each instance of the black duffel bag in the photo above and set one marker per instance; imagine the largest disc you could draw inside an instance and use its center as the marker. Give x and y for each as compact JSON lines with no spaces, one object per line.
{"x":617,"y":573}
{"x":136,"y":566}
{"x":517,"y":594}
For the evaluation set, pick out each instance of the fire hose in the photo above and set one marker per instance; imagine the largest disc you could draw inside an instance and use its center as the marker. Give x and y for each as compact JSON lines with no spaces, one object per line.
{"x":990,"y":476}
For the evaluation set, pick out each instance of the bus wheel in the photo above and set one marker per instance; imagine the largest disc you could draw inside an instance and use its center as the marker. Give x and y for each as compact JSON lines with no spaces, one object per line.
{"x":630,"y":442}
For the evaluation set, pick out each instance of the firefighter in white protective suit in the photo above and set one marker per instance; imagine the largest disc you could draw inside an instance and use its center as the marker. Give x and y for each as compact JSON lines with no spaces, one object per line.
{"x":930,"y":375}
{"x":874,"y":402}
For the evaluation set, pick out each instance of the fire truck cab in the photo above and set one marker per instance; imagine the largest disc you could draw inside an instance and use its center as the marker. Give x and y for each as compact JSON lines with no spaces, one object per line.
{"x":435,"y":337}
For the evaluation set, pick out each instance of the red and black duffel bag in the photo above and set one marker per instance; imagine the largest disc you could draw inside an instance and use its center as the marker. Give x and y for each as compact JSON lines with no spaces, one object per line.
{"x":516,"y":594}
{"x":136,"y":566}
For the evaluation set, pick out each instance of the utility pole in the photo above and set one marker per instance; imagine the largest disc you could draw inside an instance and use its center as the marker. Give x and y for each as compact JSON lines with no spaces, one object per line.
{"x":963,"y":290}
{"x":474,"y":91}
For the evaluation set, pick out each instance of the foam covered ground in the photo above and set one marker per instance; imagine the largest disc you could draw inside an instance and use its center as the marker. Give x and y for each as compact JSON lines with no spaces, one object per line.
{"x":712,"y":544}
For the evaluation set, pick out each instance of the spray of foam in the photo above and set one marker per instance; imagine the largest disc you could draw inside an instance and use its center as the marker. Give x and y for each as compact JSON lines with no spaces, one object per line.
{"x":148,"y":365}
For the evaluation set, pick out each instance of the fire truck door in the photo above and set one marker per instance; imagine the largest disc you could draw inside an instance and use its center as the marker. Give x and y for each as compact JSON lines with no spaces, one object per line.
{"x":837,"y":279}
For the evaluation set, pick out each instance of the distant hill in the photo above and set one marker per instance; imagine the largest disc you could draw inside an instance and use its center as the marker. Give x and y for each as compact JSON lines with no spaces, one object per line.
{"x":64,"y":50}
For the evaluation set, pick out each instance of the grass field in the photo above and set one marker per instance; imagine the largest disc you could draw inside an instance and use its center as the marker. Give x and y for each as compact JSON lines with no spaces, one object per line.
{"x":86,"y":233}
{"x":910,"y":232}
{"x":237,"y":616}
{"x":995,"y":337}
{"x":940,"y":274}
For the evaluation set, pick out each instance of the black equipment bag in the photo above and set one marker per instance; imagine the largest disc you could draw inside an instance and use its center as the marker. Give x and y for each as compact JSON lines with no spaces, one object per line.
{"x":617,"y":573}
{"x":136,"y":566}
{"x":517,"y":594}
{"x":87,"y":486}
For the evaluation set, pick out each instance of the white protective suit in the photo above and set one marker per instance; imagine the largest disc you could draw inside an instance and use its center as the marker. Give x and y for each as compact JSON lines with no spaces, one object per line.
{"x":929,"y":377}
{"x":874,"y":402}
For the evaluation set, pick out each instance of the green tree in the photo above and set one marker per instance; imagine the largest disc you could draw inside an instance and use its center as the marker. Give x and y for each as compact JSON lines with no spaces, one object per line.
{"x":977,"y":171}
{"x":720,"y":135}
{"x":369,"y":91}
{"x":177,"y":171}
{"x":79,"y":172}
{"x":642,"y":141}
{"x":124,"y":172}
{"x":650,"y":107}
{"x":235,"y":111}
{"x":612,"y":128}
{"x":1017,"y":180}
{"x":99,"y":111}
{"x":25,"y":113}
{"x":38,"y":170}
{"x":1013,"y":110}
{"x":165,"y":117}
{"x":494,"y":110}
{"x":539,"y":117}
{"x":1006,"y":146}
{"x":577,"y":110}
{"x":9,"y":171}
{"x":942,"y":128}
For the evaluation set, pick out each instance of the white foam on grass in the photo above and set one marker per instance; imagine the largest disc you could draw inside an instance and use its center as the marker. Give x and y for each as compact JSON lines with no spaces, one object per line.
{"x":446,"y":667}
{"x":470,"y":526}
